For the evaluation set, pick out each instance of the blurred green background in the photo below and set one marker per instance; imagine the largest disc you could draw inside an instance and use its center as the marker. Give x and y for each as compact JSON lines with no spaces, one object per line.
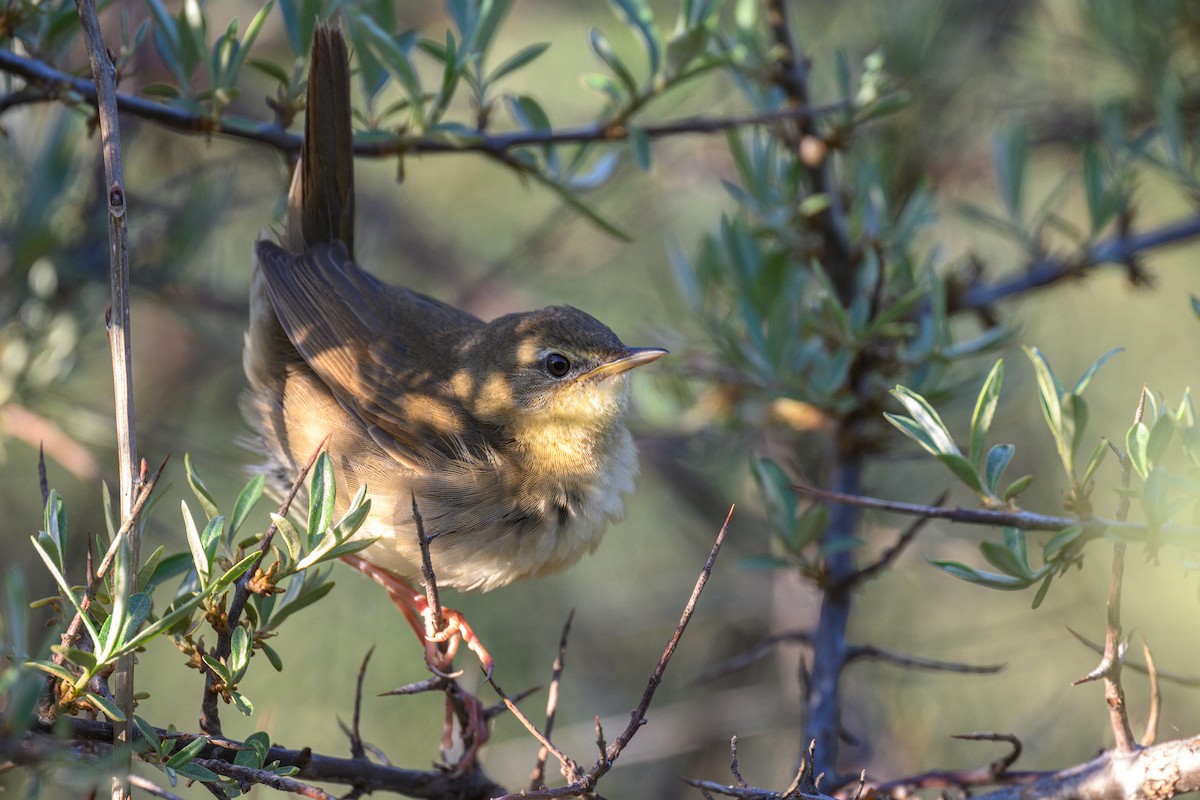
{"x":468,"y":231}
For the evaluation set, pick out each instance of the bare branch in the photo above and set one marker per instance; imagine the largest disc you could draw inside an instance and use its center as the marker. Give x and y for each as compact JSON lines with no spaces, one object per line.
{"x":753,"y":653}
{"x":379,"y":146}
{"x":570,"y":768}
{"x":856,"y":652}
{"x":1116,"y":250}
{"x":893,"y":552}
{"x":1171,"y":677}
{"x":1024,"y":520}
{"x":637,"y":717}
{"x":536,"y":778}
{"x":1151,"y":733}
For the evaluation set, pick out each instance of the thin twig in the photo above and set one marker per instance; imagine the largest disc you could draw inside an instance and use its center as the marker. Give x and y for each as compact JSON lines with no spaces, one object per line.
{"x":734,"y":769}
{"x":868,"y":651}
{"x":1150,"y":735}
{"x":537,"y":777}
{"x":210,"y":715}
{"x":356,"y":743}
{"x":434,"y":622}
{"x":1190,"y":681}
{"x":1047,"y":271}
{"x":1025,"y":520}
{"x":892,"y":553}
{"x":570,"y":768}
{"x":262,"y":777}
{"x":151,"y":788}
{"x":637,"y":717}
{"x":1000,"y":766}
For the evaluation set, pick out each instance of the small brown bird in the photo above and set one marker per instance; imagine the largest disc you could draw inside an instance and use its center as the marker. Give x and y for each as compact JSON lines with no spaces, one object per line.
{"x":509,"y":434}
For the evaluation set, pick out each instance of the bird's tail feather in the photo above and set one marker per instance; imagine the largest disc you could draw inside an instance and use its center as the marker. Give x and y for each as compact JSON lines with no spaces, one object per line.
{"x":321,"y":198}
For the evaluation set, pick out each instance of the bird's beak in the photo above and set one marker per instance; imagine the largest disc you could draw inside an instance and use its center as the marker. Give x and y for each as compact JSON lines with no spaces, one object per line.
{"x":632,"y":357}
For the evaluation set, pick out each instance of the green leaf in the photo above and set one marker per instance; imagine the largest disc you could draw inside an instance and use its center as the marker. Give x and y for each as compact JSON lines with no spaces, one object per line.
{"x":1160,"y":436}
{"x":108,"y":707}
{"x":239,"y":655}
{"x":638,"y":14}
{"x":255,"y":756}
{"x":776,"y":489}
{"x":167,"y":568}
{"x":292,"y":539}
{"x":148,"y":733}
{"x":1010,"y":151}
{"x":1098,"y":456}
{"x":1042,"y":590}
{"x":763,"y":562}
{"x":683,"y":48}
{"x":50,"y":668}
{"x":349,"y":524}
{"x":981,"y":578}
{"x":1137,"y":440}
{"x":302,"y":601}
{"x":603,"y":49}
{"x":963,"y":471}
{"x":997,"y":459}
{"x":246,"y":500}
{"x":985,"y":409}
{"x":199,"y":489}
{"x":1005,"y":560}
{"x":927,"y":418}
{"x":518,"y":60}
{"x":197,"y":772}
{"x":1016,"y":487}
{"x":200,"y":557}
{"x":169,"y":620}
{"x":321,"y":495}
{"x":272,"y":656}
{"x":187,"y":752}
{"x":639,"y":143}
{"x":1060,"y":540}
{"x":210,"y":537}
{"x":84,"y":659}
{"x":1086,"y":378}
{"x":242,"y":703}
{"x":40,"y":543}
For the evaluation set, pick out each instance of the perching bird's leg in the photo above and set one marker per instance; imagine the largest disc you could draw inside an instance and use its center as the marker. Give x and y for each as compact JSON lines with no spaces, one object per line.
{"x":440,"y":649}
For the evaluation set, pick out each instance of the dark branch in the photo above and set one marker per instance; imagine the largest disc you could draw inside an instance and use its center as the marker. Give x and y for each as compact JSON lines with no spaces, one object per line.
{"x":1047,"y":271}
{"x":478,"y":141}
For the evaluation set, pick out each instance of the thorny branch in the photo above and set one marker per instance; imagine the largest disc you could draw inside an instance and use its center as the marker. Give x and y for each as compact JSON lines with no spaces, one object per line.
{"x":538,"y":775}
{"x":637,"y":717}
{"x":1114,"y":644}
{"x":1025,"y":520}
{"x":1191,"y":681}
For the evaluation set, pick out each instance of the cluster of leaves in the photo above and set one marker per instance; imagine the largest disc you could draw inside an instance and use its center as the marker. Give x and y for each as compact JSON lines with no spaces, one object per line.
{"x":118,"y":612}
{"x":1169,"y":492}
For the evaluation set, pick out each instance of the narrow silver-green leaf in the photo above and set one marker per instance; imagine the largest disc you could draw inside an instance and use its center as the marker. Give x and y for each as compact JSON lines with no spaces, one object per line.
{"x":246,"y":500}
{"x":199,"y":489}
{"x":985,"y":409}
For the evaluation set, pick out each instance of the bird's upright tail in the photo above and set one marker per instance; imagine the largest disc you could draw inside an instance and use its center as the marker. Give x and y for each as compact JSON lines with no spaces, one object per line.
{"x":321,"y":198}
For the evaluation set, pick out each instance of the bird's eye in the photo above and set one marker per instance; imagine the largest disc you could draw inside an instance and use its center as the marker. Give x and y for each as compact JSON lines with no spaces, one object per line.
{"x":557,"y":365}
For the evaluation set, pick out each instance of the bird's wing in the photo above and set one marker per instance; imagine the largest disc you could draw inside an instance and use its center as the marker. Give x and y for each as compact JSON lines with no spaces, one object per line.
{"x":382,"y":350}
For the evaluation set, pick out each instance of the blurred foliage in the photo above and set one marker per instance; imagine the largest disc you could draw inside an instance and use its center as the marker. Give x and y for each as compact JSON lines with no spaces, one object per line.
{"x":835,"y":276}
